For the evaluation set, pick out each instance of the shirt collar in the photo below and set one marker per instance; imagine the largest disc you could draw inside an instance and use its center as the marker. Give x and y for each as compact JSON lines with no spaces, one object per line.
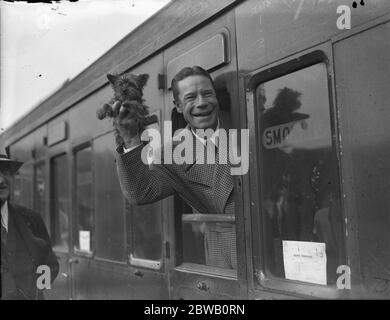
{"x":212,"y":138}
{"x":4,"y":215}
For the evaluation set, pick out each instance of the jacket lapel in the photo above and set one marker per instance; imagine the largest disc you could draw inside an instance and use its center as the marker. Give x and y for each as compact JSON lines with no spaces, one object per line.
{"x":216,"y":176}
{"x":199,"y":171}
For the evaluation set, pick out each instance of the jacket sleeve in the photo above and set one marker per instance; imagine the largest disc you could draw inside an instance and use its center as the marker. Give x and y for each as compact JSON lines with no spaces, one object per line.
{"x":141,"y":183}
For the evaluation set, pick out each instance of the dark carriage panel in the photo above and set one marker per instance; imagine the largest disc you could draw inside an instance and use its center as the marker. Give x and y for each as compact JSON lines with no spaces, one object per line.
{"x":271,"y":30}
{"x":363,"y":74}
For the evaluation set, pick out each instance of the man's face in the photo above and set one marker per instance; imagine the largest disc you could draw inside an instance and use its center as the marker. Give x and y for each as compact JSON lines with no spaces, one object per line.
{"x":198,"y":102}
{"x":5,"y":180}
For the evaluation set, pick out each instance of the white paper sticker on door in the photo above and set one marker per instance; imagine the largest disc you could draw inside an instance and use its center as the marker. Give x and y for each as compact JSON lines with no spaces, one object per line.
{"x":305,"y":261}
{"x":84,"y":240}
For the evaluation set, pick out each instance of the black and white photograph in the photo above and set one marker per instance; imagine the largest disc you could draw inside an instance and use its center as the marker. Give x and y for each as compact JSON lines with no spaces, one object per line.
{"x":217,"y":151}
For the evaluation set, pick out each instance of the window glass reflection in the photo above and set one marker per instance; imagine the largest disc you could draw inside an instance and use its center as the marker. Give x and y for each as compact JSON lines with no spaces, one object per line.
{"x":60,"y":203}
{"x":299,"y":177}
{"x":208,"y":242}
{"x":84,"y":200}
{"x":110,"y":229}
{"x":39,"y":188}
{"x":147,"y":231}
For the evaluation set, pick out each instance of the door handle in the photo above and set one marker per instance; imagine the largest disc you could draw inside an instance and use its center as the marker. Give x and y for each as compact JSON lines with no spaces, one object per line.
{"x":71,"y":261}
{"x":202,"y":286}
{"x":65,"y":275}
{"x":139,"y":273}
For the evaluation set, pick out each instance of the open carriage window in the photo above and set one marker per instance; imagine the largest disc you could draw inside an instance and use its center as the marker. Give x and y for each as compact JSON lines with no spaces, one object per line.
{"x":300,"y":196}
{"x":210,"y":240}
{"x":207,"y":241}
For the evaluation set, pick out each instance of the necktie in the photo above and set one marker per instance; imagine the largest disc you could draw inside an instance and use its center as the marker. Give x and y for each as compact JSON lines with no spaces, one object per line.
{"x":210,"y":147}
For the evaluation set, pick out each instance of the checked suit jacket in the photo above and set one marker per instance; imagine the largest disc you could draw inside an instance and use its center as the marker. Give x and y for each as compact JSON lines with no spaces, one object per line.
{"x":208,"y":188}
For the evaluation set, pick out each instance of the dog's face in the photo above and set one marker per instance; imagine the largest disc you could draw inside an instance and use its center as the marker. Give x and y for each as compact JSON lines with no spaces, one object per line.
{"x":128,"y":86}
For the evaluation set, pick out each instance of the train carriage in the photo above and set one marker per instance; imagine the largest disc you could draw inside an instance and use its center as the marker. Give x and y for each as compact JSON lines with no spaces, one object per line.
{"x":318,"y":181}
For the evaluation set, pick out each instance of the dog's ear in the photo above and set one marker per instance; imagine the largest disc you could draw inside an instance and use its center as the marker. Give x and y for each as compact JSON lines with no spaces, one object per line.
{"x":142,"y":79}
{"x":112,"y":78}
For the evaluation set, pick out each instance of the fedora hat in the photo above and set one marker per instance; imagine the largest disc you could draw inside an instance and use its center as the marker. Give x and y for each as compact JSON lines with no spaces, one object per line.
{"x":8,"y":164}
{"x":284,"y":107}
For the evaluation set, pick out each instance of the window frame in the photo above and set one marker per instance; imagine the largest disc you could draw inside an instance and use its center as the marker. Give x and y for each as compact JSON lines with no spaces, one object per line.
{"x":203,"y":268}
{"x":157,"y":265}
{"x":40,"y":163}
{"x":261,"y":280}
{"x":179,"y":217}
{"x":96,"y":254}
{"x":51,"y":203}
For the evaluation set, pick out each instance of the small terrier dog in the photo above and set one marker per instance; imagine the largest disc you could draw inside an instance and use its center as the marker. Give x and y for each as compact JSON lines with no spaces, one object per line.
{"x":128,"y":89}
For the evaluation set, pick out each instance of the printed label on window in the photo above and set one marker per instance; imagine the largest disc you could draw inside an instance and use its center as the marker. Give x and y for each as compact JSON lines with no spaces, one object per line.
{"x":305,"y":261}
{"x":84,"y":240}
{"x":276,"y":136}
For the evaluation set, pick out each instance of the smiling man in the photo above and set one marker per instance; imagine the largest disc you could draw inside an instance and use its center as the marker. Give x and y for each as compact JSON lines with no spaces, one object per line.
{"x":206,"y":187}
{"x":194,"y":96}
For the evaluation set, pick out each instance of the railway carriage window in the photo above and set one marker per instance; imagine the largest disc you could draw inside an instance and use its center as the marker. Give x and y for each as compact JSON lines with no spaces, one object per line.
{"x":146,"y":237}
{"x":110,"y":236}
{"x":23,"y":186}
{"x":39,"y":188}
{"x":17,"y":188}
{"x":209,"y":239}
{"x":84,"y":221}
{"x":300,"y":196}
{"x":206,"y":239}
{"x":60,"y":203}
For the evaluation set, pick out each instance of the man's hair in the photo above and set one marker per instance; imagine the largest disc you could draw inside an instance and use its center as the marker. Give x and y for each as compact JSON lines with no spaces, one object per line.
{"x":187,"y":72}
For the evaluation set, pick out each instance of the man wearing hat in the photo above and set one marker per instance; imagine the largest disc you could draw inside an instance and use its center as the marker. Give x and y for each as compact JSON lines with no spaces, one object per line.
{"x":25,"y":244}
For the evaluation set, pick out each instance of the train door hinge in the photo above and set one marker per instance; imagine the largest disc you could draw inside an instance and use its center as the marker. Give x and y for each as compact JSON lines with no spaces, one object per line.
{"x":167,"y":249}
{"x":161,"y":81}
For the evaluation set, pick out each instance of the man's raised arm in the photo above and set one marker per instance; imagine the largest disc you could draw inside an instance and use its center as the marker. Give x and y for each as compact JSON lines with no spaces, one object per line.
{"x":140,"y":183}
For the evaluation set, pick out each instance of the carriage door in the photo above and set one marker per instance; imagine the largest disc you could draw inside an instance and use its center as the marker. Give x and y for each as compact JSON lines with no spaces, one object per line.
{"x":204,"y":249}
{"x":59,"y":225}
{"x":59,"y":207}
{"x":363,"y":77}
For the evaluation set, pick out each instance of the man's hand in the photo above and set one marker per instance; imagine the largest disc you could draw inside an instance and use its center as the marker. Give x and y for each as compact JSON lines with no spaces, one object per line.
{"x":126,"y":121}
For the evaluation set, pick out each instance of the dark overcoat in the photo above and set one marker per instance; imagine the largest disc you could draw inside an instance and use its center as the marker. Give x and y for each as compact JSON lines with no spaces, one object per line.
{"x":27,"y":247}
